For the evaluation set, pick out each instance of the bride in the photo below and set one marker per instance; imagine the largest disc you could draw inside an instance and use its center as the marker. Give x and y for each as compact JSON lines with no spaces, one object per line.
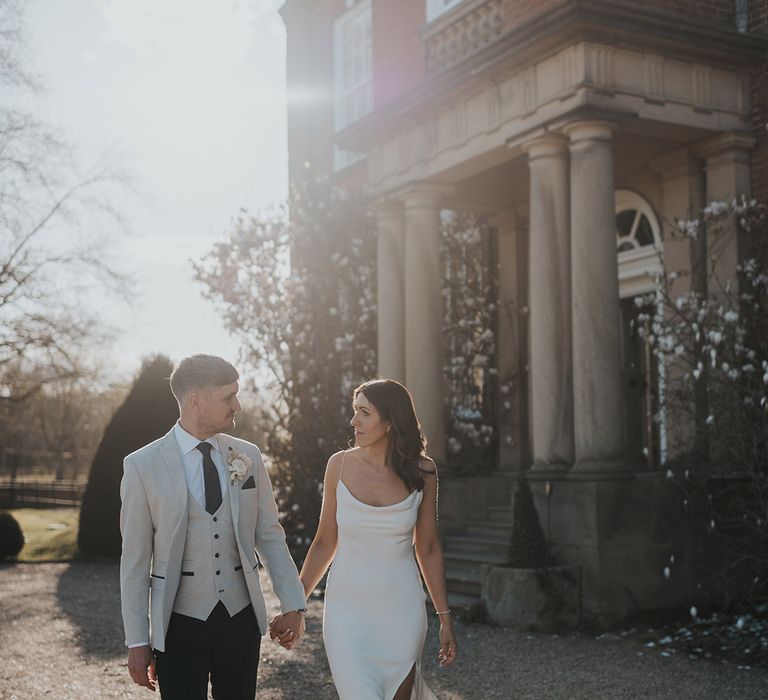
{"x":379,"y":507}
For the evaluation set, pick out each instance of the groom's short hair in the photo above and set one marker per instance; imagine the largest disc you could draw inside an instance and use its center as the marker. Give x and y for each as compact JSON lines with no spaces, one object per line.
{"x":201,"y":372}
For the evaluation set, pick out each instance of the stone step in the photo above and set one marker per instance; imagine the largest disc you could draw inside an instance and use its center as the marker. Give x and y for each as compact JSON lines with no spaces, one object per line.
{"x":463,"y":580}
{"x":500,"y":514}
{"x":473,"y":560}
{"x":462,"y":601}
{"x":485,"y":528}
{"x":495,"y":546}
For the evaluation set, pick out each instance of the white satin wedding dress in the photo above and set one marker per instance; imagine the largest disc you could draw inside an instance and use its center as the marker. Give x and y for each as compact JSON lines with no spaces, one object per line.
{"x":375,"y":620}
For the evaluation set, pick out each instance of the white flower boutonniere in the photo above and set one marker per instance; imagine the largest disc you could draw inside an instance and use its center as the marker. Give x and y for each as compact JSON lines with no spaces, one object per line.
{"x":238,"y":463}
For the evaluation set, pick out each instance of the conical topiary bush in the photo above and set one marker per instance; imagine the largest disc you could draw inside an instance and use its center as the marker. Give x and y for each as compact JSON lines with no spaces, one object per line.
{"x":528,"y":548}
{"x":147,"y":413}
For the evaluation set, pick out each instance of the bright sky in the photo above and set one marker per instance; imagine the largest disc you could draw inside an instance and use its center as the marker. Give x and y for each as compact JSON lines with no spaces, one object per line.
{"x":192,"y":94}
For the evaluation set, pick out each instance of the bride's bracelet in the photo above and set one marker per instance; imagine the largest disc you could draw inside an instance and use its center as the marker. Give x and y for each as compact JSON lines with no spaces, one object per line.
{"x":443,"y":612}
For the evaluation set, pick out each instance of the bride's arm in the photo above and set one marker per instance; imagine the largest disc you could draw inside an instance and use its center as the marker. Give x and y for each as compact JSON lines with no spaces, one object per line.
{"x":429,"y":554}
{"x":323,"y":547}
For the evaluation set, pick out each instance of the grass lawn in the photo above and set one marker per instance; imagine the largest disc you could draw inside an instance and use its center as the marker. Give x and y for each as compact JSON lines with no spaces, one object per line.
{"x":49,"y":533}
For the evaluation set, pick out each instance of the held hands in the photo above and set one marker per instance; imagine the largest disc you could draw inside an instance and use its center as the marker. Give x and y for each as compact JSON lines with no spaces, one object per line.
{"x":141,"y":666}
{"x":447,"y":654}
{"x":287,"y":628}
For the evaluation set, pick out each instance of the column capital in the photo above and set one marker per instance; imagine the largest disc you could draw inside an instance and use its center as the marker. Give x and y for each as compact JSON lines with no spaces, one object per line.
{"x":727,"y":143}
{"x":589,"y":130}
{"x":386,"y":207}
{"x":546,"y":146}
{"x":424,"y":195}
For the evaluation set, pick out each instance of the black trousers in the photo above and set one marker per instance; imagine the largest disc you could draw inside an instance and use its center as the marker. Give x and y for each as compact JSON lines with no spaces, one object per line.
{"x":224,"y":648}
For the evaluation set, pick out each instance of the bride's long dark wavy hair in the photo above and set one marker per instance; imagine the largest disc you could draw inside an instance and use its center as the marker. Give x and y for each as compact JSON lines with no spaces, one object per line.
{"x":407,"y":444}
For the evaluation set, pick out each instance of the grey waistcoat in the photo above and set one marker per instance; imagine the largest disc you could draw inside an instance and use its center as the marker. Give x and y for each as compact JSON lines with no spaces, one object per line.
{"x":207,"y":578}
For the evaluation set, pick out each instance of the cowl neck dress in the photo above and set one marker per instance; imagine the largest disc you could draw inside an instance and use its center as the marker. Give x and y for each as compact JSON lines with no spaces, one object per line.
{"x":375,"y":619}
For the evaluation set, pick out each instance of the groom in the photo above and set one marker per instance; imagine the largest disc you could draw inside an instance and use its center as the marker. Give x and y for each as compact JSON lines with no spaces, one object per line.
{"x":197,"y":505}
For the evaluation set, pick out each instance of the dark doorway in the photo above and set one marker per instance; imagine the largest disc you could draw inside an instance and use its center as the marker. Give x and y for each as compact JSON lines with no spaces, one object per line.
{"x":640,"y":378}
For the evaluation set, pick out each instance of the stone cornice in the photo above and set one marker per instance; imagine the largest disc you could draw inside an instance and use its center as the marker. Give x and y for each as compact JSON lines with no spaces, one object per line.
{"x":628,"y":25}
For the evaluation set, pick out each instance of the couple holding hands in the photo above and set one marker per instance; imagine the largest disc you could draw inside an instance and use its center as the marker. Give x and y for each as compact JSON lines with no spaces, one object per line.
{"x":197,"y":510}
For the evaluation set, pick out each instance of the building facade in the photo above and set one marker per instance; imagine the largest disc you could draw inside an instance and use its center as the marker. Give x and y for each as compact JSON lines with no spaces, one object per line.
{"x":582,"y":129}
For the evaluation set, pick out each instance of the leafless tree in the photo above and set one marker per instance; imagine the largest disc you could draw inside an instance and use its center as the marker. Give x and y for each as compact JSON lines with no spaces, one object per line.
{"x":55,"y":221}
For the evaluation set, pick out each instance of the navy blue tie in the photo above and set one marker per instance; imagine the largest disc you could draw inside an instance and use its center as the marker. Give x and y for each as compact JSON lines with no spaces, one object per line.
{"x":211,"y":478}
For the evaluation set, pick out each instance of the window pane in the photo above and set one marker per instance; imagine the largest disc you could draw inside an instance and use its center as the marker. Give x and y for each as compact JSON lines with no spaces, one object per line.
{"x":644,"y":233}
{"x":354,"y":66}
{"x":624,"y":221}
{"x":626,"y":245}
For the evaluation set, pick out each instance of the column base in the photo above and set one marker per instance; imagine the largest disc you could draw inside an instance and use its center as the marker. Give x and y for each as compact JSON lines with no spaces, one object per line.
{"x":543,"y":469}
{"x":622,"y":533}
{"x":603,"y":468}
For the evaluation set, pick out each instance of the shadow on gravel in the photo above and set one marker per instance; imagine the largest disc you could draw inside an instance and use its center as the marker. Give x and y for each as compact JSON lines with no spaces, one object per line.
{"x":89,"y":595}
{"x":13,"y":611}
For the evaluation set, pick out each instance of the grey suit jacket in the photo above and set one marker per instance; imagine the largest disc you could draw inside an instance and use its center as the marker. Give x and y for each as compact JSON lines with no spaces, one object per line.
{"x":153,"y":522}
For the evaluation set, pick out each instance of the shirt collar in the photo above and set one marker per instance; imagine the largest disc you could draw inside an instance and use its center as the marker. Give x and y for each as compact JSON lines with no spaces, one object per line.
{"x":188,"y":442}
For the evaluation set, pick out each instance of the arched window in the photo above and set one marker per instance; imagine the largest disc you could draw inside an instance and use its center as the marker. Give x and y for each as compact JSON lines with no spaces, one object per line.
{"x":636,"y":224}
{"x":638,"y":243}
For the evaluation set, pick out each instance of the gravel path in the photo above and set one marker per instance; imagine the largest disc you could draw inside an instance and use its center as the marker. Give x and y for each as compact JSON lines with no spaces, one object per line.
{"x":61,"y":638}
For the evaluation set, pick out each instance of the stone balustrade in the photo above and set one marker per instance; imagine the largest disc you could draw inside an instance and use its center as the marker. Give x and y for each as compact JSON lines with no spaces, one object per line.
{"x":462,"y":32}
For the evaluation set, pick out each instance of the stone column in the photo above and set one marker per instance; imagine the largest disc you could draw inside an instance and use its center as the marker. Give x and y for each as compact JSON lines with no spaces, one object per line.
{"x":390,"y":219}
{"x":598,"y":400}
{"x":424,"y":312}
{"x":551,"y":387}
{"x":728,"y":177}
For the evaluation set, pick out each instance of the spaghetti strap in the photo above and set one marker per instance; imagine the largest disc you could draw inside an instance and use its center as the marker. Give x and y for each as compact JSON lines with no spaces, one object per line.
{"x":343,"y":457}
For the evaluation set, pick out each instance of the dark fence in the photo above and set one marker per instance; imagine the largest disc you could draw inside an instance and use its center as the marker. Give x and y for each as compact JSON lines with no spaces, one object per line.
{"x":17,"y":494}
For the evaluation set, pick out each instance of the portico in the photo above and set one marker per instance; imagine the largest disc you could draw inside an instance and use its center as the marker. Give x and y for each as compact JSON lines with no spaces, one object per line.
{"x":581,"y":151}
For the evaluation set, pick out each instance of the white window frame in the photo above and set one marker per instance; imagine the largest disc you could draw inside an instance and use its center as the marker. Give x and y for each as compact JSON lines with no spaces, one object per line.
{"x":363,"y":87}
{"x":436,"y":8}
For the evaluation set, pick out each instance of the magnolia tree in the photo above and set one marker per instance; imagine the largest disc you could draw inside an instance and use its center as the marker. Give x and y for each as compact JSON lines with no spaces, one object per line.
{"x":711,"y":336}
{"x":297,"y":288}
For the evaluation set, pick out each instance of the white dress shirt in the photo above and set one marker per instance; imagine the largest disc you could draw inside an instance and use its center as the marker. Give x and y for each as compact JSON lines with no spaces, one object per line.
{"x":193,"y":462}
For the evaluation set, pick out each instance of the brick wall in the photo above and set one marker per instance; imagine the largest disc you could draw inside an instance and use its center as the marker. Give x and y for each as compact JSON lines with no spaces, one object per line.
{"x":309,"y":74}
{"x":758,"y":24}
{"x":398,"y":50}
{"x":399,"y":64}
{"x":721,"y":11}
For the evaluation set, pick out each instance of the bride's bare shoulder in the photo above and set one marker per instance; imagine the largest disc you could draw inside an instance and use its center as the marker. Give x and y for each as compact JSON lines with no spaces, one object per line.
{"x":337,"y":460}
